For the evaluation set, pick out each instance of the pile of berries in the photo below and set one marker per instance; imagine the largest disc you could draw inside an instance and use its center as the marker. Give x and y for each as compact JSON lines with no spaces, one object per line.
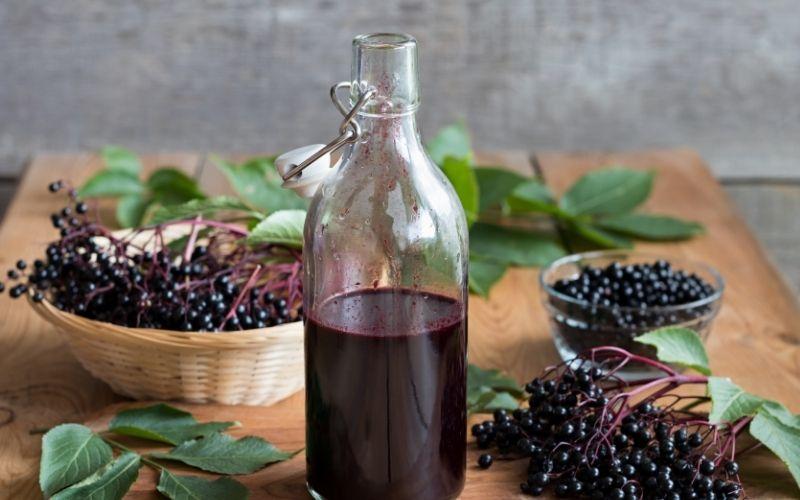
{"x":619,"y":302}
{"x":221,"y":284}
{"x":637,"y":285}
{"x":583,"y":438}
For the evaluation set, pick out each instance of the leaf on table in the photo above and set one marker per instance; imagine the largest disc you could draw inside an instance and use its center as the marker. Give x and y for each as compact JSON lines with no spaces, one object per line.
{"x":489,"y":401}
{"x":777,"y":410}
{"x":199,"y":488}
{"x":513,"y":246}
{"x":680,"y":346}
{"x":111,"y":183}
{"x":452,"y":140}
{"x":110,"y":482}
{"x":533,"y":196}
{"x":495,"y":185}
{"x":729,"y":402}
{"x":131,"y":209}
{"x":284,"y":227}
{"x":70,"y":453}
{"x":255,"y":181}
{"x":598,"y":236}
{"x":205,"y":208}
{"x":484,"y":274}
{"x":608,"y":191}
{"x":488,"y":390}
{"x":651,"y":227}
{"x":163,"y":423}
{"x":462,"y":177}
{"x":478,"y":377}
{"x":170,"y":186}
{"x":222,"y":454}
{"x":782,"y":439}
{"x":121,"y":160}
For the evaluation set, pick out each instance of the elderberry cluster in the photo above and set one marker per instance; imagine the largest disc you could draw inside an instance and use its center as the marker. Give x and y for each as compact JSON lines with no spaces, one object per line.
{"x":215,"y":286}
{"x":579,"y":443}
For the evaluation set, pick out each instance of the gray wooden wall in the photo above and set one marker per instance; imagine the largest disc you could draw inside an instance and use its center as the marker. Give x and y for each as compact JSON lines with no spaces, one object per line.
{"x":252,"y":75}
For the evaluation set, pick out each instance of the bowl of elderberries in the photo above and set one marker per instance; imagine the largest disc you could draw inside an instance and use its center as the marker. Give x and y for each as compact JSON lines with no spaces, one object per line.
{"x":184,"y":310}
{"x":608,"y":298}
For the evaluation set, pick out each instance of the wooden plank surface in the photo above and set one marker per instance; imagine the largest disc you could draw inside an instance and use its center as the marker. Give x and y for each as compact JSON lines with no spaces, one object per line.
{"x":770,"y":208}
{"x":754,"y":340}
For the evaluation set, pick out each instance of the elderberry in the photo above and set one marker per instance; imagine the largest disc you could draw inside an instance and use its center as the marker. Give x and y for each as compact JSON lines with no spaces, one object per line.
{"x":219,"y":284}
{"x":485,"y":461}
{"x":613,"y":304}
{"x":614,"y":449}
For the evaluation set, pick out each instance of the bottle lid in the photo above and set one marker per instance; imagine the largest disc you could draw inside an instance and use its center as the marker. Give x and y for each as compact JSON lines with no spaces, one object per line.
{"x":306,"y":182}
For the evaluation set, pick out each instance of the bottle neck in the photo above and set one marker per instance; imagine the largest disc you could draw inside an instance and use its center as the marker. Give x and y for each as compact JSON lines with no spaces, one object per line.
{"x":389,"y":136}
{"x":386,"y":63}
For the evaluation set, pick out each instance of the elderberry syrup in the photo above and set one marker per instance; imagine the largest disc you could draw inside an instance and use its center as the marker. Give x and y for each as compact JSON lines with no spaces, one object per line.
{"x":386,"y":395}
{"x":385,"y":301}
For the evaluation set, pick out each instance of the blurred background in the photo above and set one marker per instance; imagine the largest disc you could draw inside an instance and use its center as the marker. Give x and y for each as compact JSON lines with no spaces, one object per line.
{"x":252,"y":76}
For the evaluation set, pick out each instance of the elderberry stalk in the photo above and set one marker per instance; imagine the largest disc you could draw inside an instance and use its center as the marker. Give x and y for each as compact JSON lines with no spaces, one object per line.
{"x":586,"y":433}
{"x":211,"y":280}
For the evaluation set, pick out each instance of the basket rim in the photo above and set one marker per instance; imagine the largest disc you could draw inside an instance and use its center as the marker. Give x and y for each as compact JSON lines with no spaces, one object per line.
{"x":205,"y":340}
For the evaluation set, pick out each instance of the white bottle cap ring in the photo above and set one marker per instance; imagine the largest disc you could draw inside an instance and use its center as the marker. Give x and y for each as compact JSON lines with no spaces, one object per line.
{"x":306,"y":182}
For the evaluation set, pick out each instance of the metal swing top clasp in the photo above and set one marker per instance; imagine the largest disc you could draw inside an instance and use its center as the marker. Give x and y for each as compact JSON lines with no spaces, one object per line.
{"x":291,"y":164}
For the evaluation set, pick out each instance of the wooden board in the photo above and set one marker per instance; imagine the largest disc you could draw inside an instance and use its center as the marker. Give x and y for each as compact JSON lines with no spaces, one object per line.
{"x":754,"y":340}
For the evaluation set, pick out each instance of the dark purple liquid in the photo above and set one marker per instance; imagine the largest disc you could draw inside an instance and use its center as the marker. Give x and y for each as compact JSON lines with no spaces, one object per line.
{"x":386,"y":396}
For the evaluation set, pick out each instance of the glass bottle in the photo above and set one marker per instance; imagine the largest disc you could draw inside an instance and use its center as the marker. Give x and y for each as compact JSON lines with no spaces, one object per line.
{"x":385,"y":298}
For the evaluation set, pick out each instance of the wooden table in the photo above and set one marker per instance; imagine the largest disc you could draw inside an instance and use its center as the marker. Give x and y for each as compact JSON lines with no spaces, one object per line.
{"x":755,"y":339}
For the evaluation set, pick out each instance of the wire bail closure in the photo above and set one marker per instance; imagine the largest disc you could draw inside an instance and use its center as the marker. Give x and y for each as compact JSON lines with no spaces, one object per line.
{"x":349,"y":130}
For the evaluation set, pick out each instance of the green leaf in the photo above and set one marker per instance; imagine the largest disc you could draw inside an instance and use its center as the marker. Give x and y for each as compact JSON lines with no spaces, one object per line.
{"x":598,"y":236}
{"x":199,"y":488}
{"x":163,"y":423}
{"x":256,"y":182}
{"x":512,"y":246}
{"x":490,"y":401}
{"x":680,"y":346}
{"x":484,"y":274}
{"x":131,"y":210}
{"x":205,"y":208}
{"x":496,"y":184}
{"x":651,"y":227}
{"x":777,"y":410}
{"x":283,"y":226}
{"x":489,"y":390}
{"x":111,"y":482}
{"x":111,"y":183}
{"x":533,"y":196}
{"x":70,"y":453}
{"x":608,"y":191}
{"x":783,"y":440}
{"x":452,"y":140}
{"x":729,"y":402}
{"x":461,"y":176}
{"x":170,"y":186}
{"x":478,"y":377}
{"x":121,"y":160}
{"x":222,"y":454}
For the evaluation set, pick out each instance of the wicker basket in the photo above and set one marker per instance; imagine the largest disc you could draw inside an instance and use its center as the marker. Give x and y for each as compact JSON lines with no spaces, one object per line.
{"x":254,"y":367}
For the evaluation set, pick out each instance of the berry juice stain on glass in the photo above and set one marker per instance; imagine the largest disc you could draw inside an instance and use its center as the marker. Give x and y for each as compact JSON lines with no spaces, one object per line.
{"x":385,"y":295}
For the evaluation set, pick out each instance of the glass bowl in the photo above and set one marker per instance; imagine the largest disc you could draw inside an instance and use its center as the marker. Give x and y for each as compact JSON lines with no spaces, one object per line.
{"x":578,"y":325}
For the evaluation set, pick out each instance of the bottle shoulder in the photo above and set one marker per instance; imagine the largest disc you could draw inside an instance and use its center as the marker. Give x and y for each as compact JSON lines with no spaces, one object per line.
{"x":373,"y":201}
